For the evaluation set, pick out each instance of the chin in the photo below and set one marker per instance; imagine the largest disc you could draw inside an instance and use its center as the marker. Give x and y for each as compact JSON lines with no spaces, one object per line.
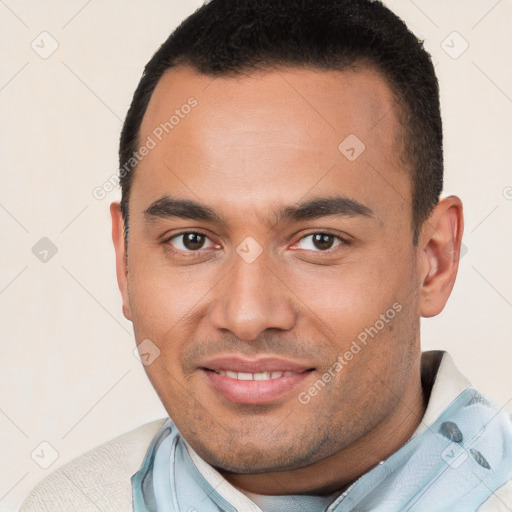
{"x":256,"y":458}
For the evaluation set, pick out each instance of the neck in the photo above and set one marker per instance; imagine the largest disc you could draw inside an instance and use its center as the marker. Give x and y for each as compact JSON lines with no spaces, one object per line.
{"x":340,"y":470}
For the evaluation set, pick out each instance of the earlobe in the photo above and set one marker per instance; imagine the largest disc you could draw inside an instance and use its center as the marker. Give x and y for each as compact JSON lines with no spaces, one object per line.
{"x":121,"y":256}
{"x":439,"y":246}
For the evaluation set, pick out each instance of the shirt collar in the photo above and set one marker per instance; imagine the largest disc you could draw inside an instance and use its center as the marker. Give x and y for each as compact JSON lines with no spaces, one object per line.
{"x":445,"y":382}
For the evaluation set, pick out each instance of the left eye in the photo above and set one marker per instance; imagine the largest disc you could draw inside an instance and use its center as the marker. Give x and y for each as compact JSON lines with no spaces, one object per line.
{"x":320,"y":242}
{"x":190,"y":241}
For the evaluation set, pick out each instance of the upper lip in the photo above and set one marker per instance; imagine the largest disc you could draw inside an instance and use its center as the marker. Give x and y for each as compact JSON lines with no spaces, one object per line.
{"x":254,"y":365}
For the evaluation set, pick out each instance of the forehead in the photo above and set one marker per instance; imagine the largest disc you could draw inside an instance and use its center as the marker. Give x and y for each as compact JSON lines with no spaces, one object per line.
{"x":357,"y":98}
{"x":252,"y":139}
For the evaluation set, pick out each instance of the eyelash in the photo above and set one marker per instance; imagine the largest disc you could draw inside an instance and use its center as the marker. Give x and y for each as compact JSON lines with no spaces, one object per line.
{"x":192,"y":254}
{"x":342,"y":240}
{"x":186,"y":254}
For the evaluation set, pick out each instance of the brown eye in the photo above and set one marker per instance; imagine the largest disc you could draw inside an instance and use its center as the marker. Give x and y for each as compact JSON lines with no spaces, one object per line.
{"x":193,"y":241}
{"x":190,"y":241}
{"x":323,"y":241}
{"x":319,"y":242}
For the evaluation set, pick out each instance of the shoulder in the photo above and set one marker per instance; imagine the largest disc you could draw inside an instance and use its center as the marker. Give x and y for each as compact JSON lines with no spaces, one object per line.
{"x":97,"y":480}
{"x":500,"y":501}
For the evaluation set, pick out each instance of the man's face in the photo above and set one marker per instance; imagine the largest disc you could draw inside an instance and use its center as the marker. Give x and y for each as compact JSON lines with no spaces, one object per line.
{"x":256,"y":310}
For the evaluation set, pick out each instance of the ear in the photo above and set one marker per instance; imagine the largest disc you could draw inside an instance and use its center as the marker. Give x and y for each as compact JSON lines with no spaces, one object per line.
{"x":439,"y":252}
{"x":121,"y":256}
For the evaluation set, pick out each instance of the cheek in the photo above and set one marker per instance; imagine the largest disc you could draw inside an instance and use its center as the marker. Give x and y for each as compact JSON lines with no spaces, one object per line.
{"x":352,"y":296}
{"x":162,"y":296}
{"x":368,"y":308}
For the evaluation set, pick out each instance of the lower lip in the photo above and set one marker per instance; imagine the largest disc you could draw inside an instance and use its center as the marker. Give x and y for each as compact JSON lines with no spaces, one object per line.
{"x":254,"y":392}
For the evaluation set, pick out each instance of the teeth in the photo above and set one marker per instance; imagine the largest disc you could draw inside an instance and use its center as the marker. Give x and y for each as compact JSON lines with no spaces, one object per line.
{"x":262,"y":376}
{"x":254,"y":376}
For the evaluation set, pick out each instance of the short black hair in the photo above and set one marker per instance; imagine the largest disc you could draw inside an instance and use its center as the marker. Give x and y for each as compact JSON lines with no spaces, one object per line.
{"x":230,"y":37}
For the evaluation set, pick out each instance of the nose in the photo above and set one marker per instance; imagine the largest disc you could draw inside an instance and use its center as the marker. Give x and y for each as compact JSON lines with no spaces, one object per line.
{"x":251,"y":298}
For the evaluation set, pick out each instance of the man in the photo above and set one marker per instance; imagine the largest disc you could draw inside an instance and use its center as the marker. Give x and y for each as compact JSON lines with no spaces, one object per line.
{"x":279,"y":236}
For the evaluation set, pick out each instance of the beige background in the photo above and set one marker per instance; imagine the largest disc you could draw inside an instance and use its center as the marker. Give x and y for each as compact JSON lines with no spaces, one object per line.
{"x":68,"y":375}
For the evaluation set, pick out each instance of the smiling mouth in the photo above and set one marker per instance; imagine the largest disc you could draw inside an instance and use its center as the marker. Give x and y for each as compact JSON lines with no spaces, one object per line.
{"x":256,"y":388}
{"x":255,"y":376}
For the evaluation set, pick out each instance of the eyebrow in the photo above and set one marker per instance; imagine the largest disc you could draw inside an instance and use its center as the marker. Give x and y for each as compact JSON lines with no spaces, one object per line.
{"x":322,"y":207}
{"x":169,"y":207}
